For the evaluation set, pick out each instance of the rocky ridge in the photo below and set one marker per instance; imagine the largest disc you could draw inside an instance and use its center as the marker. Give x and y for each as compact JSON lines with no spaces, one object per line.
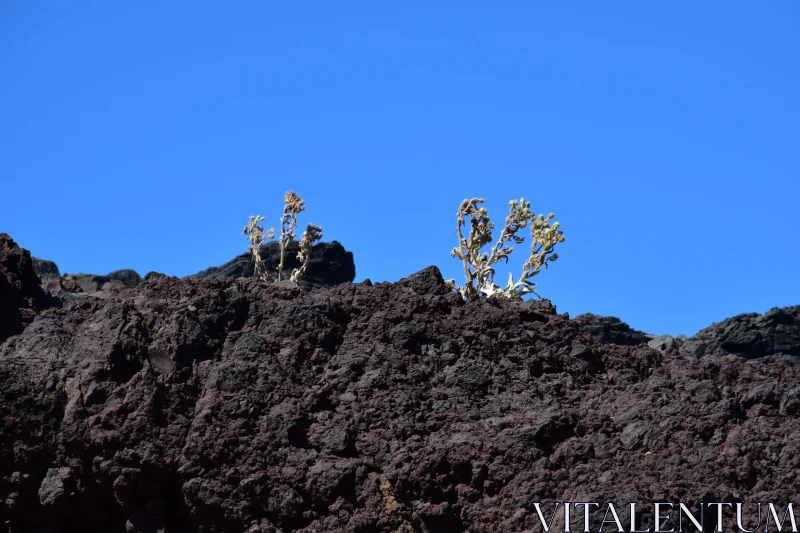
{"x":226,"y":404}
{"x":330,"y":264}
{"x":771,"y":336}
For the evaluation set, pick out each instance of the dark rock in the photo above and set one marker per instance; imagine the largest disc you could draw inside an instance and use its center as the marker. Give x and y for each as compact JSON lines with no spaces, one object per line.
{"x":113,"y":286}
{"x":153,"y":275}
{"x":45,"y":270}
{"x":664,"y":343}
{"x":129,"y":278}
{"x":142,"y":522}
{"x":427,"y":281}
{"x":200,"y":405}
{"x":56,"y":489}
{"x":91,"y":283}
{"x":52,"y":284}
{"x":775,"y":335}
{"x":88,"y":283}
{"x":329,"y":264}
{"x":21,"y":294}
{"x":611,"y":330}
{"x":71,"y":286}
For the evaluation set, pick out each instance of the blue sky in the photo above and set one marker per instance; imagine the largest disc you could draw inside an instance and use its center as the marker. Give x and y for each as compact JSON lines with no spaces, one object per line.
{"x":664,"y":136}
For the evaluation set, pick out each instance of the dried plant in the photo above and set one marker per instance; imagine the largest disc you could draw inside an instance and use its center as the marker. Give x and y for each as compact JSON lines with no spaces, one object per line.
{"x":257,"y":236}
{"x":479,"y":266}
{"x":293,"y":205}
{"x":311,"y":235}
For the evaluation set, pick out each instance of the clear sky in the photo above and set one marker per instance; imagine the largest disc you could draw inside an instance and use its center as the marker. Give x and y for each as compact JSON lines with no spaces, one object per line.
{"x":663,"y":135}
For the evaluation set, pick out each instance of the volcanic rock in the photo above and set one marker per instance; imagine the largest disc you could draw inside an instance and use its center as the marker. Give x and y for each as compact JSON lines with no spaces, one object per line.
{"x":330,"y":264}
{"x":129,"y":278}
{"x":21,"y":295}
{"x":210,"y":405}
{"x":90,"y":283}
{"x":774,"y":335}
{"x":45,"y":270}
{"x":611,"y":330}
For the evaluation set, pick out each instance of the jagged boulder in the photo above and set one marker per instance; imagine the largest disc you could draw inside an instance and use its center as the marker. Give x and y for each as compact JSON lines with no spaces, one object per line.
{"x":21,"y":294}
{"x":330,"y":264}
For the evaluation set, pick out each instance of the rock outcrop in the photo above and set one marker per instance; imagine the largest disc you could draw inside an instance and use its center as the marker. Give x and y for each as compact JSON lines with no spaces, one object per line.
{"x":89,"y":283}
{"x":21,"y":296}
{"x":330,"y":264}
{"x":774,"y":336}
{"x":209,"y":405}
{"x":611,"y":330}
{"x":45,"y":270}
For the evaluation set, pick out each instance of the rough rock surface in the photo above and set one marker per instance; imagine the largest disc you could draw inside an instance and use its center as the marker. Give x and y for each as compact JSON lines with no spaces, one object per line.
{"x":232,"y":405}
{"x":21,"y":296}
{"x":330,"y":264}
{"x":128,"y":277}
{"x":774,"y":336}
{"x":45,"y":270}
{"x":611,"y":330}
{"x":90,"y":283}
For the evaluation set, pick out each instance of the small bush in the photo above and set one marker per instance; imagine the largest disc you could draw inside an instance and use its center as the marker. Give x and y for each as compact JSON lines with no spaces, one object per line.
{"x":479,"y":266}
{"x":257,"y":236}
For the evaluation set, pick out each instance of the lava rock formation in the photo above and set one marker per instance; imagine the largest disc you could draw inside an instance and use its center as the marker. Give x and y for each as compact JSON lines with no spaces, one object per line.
{"x":329,"y":264}
{"x":219,"y":404}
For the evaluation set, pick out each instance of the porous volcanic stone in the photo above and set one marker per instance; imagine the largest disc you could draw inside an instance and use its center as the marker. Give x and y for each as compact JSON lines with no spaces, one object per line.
{"x":330,"y":264}
{"x":774,"y":335}
{"x":611,"y":330}
{"x":45,"y":270}
{"x":21,"y":294}
{"x":200,"y":405}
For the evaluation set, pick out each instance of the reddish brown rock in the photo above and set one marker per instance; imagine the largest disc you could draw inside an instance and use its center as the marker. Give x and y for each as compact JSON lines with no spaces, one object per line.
{"x":234,"y":405}
{"x":21,"y":295}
